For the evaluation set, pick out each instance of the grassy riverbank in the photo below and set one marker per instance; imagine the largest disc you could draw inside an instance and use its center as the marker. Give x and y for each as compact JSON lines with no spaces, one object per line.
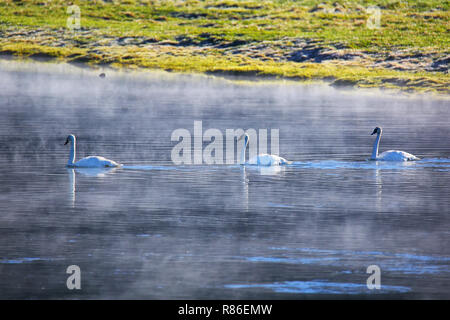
{"x":305,"y":40}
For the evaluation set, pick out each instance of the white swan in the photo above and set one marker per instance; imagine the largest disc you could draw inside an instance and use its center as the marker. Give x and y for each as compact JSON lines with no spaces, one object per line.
{"x":391,"y":155}
{"x":261,"y":159}
{"x":88,"y":162}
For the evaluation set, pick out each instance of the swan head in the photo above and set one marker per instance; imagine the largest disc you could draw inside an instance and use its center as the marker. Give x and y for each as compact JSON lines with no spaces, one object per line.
{"x":377,"y":130}
{"x":70,"y":138}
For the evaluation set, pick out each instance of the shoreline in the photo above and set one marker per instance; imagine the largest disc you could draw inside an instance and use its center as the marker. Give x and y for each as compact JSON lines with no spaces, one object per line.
{"x":360,"y":77}
{"x":26,"y":63}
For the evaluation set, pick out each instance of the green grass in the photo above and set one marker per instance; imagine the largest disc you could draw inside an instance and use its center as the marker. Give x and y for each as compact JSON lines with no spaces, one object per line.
{"x":420,"y":26}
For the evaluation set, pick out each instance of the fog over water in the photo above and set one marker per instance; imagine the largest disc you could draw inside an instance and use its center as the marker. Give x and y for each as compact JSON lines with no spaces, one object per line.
{"x":156,"y":230}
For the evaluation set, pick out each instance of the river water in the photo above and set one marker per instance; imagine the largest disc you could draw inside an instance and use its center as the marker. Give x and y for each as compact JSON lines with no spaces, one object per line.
{"x":156,"y":230}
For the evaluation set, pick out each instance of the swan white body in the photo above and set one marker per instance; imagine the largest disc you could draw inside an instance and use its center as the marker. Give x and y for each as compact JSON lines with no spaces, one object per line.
{"x":267,"y":160}
{"x":88,"y":162}
{"x":261,"y":159}
{"x":94,"y":162}
{"x":390,"y":155}
{"x":396,"y":155}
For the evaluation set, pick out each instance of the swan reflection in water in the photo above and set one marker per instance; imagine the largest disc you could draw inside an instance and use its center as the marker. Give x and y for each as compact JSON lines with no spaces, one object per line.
{"x":379,"y":189}
{"x":271,"y":171}
{"x":246,"y":172}
{"x":88,"y":172}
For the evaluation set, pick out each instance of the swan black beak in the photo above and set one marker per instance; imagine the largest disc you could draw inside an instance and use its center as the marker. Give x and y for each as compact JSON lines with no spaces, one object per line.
{"x":372,"y":133}
{"x":67,"y":141}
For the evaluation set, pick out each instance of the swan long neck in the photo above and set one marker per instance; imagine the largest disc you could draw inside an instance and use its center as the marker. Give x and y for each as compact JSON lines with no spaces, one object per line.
{"x":73,"y":151}
{"x":242,"y":159}
{"x":375,"y":147}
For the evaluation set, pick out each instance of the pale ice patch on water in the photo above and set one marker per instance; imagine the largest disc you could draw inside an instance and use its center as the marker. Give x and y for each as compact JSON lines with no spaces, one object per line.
{"x":346,"y":262}
{"x":405,"y":263}
{"x":352,"y":252}
{"x":319,"y":287}
{"x":26,"y":260}
{"x":322,"y":260}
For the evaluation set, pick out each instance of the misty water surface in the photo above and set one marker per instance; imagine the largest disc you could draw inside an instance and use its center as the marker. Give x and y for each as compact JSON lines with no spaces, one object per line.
{"x":154,"y":230}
